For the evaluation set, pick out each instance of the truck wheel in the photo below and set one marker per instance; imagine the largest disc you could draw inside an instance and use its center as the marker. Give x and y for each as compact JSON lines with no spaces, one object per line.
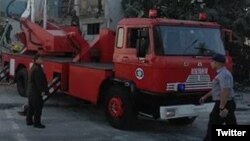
{"x":182,"y":121}
{"x":21,"y":81}
{"x":118,"y":108}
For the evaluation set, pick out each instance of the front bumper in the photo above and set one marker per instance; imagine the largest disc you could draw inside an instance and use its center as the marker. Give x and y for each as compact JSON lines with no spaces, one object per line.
{"x":170,"y":112}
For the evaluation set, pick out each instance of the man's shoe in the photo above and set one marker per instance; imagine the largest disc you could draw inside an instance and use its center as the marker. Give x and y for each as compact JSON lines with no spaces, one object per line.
{"x":22,"y":113}
{"x":29,"y":123}
{"x":39,"y":126}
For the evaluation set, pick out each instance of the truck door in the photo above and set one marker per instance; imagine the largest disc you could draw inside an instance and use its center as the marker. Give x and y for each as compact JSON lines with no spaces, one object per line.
{"x":132,"y":61}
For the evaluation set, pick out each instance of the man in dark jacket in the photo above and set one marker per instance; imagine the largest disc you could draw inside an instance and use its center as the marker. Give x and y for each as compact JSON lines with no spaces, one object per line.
{"x":75,"y":20}
{"x":37,"y":87}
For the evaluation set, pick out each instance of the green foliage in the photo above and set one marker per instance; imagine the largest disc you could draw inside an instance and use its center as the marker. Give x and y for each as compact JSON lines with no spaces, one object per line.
{"x":231,"y":14}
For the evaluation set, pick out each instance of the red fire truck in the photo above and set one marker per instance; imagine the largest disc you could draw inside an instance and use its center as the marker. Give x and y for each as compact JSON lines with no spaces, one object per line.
{"x":152,"y":67}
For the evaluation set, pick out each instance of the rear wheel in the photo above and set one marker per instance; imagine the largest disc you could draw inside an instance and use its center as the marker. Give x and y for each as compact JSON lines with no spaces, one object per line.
{"x":182,"y":121}
{"x":21,"y":81}
{"x":118,"y":107}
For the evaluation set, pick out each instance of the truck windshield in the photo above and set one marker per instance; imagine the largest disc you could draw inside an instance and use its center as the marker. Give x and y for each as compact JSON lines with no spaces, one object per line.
{"x":189,"y":41}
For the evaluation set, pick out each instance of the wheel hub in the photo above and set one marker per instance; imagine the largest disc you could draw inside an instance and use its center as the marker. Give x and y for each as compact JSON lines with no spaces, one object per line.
{"x":115,"y":107}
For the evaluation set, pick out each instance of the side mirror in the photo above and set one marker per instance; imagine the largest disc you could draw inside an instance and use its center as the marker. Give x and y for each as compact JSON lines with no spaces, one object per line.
{"x":142,"y":44}
{"x":141,"y":48}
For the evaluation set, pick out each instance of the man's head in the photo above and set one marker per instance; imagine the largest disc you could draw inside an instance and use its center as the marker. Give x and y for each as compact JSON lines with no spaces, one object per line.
{"x":37,"y":59}
{"x":73,"y":12}
{"x":218,"y":61}
{"x":6,"y":21}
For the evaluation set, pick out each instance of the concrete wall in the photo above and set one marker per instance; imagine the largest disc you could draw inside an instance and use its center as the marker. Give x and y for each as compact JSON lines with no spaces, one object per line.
{"x":113,"y":13}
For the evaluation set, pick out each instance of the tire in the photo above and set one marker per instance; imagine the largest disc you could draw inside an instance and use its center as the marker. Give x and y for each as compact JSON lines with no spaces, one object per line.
{"x":21,"y":81}
{"x":119,"y":108}
{"x":182,"y":121}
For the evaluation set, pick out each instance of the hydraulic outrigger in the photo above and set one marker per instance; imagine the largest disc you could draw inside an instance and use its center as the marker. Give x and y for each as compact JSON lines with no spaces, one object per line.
{"x":4,"y":73}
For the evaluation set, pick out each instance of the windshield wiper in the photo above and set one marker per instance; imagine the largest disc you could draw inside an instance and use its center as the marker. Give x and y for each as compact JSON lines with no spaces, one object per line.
{"x":193,"y":43}
{"x":203,"y":50}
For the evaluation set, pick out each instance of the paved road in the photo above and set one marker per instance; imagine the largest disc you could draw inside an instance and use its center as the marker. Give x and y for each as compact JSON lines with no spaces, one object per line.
{"x":68,"y":119}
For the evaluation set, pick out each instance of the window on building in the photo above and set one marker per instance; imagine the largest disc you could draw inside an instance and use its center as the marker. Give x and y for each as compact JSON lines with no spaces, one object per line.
{"x":92,"y":8}
{"x":93,"y":29}
{"x":120,"y":38}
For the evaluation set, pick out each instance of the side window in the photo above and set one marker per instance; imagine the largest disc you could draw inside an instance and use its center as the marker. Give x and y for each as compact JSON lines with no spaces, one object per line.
{"x":120,"y":38}
{"x":93,"y":29}
{"x":134,"y":35}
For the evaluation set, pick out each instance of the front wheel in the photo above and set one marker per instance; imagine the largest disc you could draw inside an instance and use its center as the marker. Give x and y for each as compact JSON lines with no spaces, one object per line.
{"x":119,"y":108}
{"x":21,"y":81}
{"x":182,"y":121}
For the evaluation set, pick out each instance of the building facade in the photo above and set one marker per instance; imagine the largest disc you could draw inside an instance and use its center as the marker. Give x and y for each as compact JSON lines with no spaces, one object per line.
{"x":93,"y":14}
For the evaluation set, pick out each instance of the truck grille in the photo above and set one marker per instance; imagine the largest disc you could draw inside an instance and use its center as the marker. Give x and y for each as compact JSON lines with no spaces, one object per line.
{"x":198,"y":78}
{"x":193,"y":82}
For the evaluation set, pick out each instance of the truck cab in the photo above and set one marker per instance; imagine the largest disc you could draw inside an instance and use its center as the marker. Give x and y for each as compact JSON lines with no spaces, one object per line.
{"x":162,"y":55}
{"x":168,"y":62}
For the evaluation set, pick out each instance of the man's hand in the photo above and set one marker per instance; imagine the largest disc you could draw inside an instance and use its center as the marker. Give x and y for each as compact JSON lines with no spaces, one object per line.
{"x":202,"y":100}
{"x":43,"y":94}
{"x":224,"y":113}
{"x":205,"y":97}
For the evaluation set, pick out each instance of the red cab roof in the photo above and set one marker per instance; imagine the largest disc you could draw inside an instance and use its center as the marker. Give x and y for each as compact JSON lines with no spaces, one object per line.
{"x":161,"y":21}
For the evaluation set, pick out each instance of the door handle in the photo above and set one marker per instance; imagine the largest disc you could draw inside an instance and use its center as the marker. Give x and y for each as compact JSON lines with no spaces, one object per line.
{"x":125,"y":58}
{"x":143,"y":61}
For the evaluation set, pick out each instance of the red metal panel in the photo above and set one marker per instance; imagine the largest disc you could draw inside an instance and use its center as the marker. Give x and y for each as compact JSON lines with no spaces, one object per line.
{"x":19,"y":60}
{"x":103,"y":46}
{"x":51,"y":67}
{"x":107,"y":44}
{"x":85,"y":82}
{"x":51,"y":41}
{"x":161,"y":21}
{"x":160,"y":70}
